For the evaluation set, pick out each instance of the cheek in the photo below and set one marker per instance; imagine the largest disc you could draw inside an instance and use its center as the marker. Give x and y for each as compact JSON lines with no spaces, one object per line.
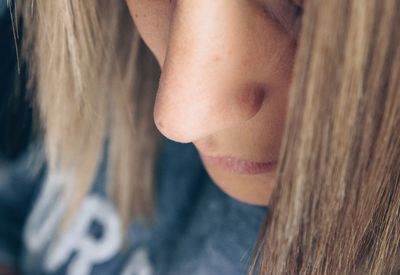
{"x":152,"y":19}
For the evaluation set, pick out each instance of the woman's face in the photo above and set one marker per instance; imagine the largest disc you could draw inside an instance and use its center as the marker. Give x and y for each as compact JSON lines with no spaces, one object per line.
{"x":226,"y":69}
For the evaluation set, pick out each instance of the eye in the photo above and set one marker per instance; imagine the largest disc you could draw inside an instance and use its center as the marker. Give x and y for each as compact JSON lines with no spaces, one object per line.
{"x":298,"y":2}
{"x":297,"y":7}
{"x":286,"y":12}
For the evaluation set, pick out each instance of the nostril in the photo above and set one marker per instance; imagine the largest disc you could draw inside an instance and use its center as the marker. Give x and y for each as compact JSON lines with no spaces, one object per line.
{"x":189,"y":115}
{"x":252,"y":99}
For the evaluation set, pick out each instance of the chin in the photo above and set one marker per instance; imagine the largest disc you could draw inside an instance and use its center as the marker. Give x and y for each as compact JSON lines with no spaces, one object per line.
{"x":251,"y":189}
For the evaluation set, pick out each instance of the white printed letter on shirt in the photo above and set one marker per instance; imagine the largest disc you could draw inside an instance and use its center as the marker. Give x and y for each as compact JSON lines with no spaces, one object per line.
{"x":89,"y":250}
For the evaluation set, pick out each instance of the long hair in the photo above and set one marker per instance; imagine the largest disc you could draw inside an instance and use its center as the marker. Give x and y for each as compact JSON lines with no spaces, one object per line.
{"x":95,"y":83}
{"x":335,"y":208}
{"x":336,"y":205}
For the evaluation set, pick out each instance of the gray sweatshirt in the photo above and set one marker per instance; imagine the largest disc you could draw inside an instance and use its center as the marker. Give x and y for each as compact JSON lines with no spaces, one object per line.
{"x":196,"y":228}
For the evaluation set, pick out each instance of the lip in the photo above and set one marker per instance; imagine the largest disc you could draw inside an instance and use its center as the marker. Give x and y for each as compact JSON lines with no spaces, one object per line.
{"x":239,"y":166}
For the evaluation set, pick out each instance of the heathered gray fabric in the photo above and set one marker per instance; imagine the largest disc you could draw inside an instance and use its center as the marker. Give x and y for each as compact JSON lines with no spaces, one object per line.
{"x":197,"y":229}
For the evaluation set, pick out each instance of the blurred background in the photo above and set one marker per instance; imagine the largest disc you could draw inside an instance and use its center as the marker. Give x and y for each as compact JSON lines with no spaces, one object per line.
{"x":16,"y":112}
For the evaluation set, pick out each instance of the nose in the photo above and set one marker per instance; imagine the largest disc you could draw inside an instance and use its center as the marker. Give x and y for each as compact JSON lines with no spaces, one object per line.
{"x":208,"y":78}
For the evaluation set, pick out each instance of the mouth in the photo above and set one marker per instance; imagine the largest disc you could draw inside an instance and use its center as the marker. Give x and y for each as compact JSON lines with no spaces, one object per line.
{"x":239,"y":166}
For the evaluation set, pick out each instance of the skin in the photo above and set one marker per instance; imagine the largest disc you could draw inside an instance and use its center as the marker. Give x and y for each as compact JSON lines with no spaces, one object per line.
{"x":226,"y":69}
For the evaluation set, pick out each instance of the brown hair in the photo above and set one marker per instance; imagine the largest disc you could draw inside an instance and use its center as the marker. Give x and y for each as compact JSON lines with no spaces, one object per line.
{"x":335,"y":208}
{"x":96,"y":84}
